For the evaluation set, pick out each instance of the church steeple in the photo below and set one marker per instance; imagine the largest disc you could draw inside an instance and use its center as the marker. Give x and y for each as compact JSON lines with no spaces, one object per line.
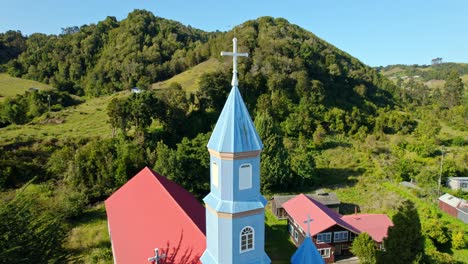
{"x":235,"y":209}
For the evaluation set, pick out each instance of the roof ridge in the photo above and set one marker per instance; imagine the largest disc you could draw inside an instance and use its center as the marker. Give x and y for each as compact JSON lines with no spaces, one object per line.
{"x":155,"y":174}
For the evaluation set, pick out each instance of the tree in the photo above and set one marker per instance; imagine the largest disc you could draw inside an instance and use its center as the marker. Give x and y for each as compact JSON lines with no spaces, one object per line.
{"x":214,"y":88}
{"x":405,"y":242}
{"x":453,"y":90}
{"x":119,"y":114}
{"x":364,"y":248}
{"x":30,"y":234}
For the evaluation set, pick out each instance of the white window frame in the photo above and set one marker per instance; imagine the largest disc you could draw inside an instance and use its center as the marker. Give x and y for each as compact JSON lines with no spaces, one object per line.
{"x":215,"y":174}
{"x":320,"y":241}
{"x":245,"y":176}
{"x":241,"y":236}
{"x":296,"y":235}
{"x":339,"y":233}
{"x":326,"y":252}
{"x":352,"y":236}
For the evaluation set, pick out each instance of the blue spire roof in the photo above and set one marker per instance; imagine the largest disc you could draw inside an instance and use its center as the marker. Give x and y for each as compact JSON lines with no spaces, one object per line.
{"x":235,"y":131}
{"x":307,"y":253}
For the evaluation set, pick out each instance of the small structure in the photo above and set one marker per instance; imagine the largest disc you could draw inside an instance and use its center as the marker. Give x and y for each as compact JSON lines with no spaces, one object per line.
{"x":136,"y":90}
{"x":454,"y":206}
{"x":33,"y":89}
{"x":328,"y":199}
{"x":331,"y":232}
{"x":458,"y":183}
{"x":150,"y":212}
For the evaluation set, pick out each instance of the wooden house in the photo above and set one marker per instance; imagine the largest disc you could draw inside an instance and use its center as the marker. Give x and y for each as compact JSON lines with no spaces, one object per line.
{"x":331,"y":232}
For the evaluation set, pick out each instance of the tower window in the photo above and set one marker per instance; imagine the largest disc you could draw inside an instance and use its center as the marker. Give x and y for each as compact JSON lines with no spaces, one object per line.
{"x":247,"y":239}
{"x":245,"y":176}
{"x":214,"y":174}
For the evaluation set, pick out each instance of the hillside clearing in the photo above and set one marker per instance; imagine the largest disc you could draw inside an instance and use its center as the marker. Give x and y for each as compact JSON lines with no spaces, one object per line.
{"x":189,"y":79}
{"x":11,"y":86}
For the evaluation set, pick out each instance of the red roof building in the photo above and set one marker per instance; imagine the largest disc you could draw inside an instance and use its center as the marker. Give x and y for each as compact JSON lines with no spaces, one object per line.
{"x":331,"y":232}
{"x":376,"y":225}
{"x":150,"y":212}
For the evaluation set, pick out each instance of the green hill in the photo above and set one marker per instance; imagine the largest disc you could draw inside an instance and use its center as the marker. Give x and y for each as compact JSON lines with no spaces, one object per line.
{"x":326,"y":119}
{"x":189,"y":78}
{"x":11,"y":86}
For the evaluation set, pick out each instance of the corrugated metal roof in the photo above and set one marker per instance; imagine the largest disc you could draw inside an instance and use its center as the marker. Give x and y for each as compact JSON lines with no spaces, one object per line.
{"x":149,"y":212}
{"x":234,"y":131}
{"x":450,"y":200}
{"x":324,"y":198}
{"x":376,"y":225}
{"x":301,"y":206}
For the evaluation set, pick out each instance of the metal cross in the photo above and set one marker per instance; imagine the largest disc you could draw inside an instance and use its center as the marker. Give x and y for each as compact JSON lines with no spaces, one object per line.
{"x":234,"y":55}
{"x":308,"y":221}
{"x":157,"y":257}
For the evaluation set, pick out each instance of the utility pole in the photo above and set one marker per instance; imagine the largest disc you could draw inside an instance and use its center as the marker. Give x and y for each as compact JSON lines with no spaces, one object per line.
{"x":440,"y":172}
{"x":48,"y":99}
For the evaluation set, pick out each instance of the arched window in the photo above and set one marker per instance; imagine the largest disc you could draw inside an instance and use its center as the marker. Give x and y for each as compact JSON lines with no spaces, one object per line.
{"x":247,"y":239}
{"x":245,"y":176}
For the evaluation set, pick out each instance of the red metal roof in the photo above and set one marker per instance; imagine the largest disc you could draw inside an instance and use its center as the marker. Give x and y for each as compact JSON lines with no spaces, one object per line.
{"x":149,"y":212}
{"x":376,"y":225}
{"x":323,"y":217}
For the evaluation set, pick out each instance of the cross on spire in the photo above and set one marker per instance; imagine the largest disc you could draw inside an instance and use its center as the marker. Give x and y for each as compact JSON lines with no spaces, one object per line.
{"x":234,"y":55}
{"x":308,"y":221}
{"x":157,"y":257}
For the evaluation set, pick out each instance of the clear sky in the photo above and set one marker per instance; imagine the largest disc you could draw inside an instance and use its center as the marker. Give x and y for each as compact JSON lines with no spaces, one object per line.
{"x":378,"y":32}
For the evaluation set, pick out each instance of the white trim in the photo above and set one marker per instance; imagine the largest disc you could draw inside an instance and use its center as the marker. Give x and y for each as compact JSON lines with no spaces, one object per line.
{"x":340,"y":233}
{"x":253,"y":240}
{"x":329,"y":234}
{"x":296,"y":235}
{"x":245,"y":176}
{"x":326,"y":250}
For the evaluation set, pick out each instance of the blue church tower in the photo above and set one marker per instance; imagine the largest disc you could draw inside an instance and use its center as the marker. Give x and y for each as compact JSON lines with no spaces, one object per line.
{"x":235,"y":208}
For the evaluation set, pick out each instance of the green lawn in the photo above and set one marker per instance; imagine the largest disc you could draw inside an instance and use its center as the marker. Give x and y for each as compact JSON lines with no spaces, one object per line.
{"x":189,"y":79}
{"x":278,"y":246}
{"x":11,"y":86}
{"x":89,"y":239}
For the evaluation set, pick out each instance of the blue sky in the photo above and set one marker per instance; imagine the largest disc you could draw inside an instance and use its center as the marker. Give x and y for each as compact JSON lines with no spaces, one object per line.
{"x":378,"y":32}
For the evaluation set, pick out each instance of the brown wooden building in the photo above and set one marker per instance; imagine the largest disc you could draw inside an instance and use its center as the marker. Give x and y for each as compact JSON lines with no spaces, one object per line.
{"x":331,"y":232}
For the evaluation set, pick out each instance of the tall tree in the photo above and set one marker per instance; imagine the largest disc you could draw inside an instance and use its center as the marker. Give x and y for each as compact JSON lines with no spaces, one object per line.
{"x":405,"y":242}
{"x":453,"y":90}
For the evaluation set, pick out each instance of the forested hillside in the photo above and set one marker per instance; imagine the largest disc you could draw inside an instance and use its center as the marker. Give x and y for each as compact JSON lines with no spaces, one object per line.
{"x":326,"y":120}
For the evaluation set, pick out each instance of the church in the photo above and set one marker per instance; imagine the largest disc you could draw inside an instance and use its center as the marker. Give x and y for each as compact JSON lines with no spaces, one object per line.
{"x":153,"y":220}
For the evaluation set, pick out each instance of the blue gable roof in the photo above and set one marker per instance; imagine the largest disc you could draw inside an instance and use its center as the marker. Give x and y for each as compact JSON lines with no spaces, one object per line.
{"x":307,"y":253}
{"x":235,"y":131}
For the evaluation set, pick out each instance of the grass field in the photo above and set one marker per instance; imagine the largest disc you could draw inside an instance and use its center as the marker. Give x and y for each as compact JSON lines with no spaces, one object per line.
{"x":89,"y":239}
{"x":86,"y":120}
{"x":189,"y":79}
{"x":11,"y":86}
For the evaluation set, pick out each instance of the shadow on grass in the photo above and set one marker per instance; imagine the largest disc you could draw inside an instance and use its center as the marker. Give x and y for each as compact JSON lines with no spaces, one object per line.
{"x":349,"y":208}
{"x":334,"y":144}
{"x":341,"y":176}
{"x":277,"y":244}
{"x":90,"y":215}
